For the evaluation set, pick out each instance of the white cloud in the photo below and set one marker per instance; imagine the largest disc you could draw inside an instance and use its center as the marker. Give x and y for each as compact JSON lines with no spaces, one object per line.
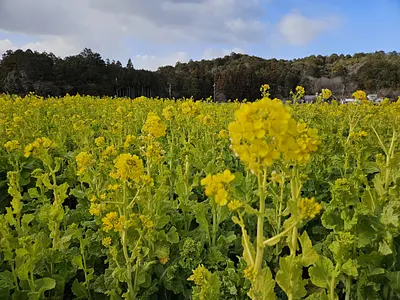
{"x":5,"y":45}
{"x":60,"y":46}
{"x":211,"y":53}
{"x":298,"y":30}
{"x":119,"y":29}
{"x":151,"y":62}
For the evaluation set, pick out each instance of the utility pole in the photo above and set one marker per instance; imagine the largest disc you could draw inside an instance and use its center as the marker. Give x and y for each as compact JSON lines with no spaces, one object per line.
{"x":169,"y":90}
{"x":214,"y":91}
{"x":343,"y":88}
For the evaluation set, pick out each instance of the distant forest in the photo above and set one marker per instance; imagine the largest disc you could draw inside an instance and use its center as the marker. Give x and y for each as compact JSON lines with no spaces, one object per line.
{"x":236,"y":76}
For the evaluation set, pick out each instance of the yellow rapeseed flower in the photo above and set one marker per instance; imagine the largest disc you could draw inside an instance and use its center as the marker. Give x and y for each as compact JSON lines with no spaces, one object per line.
{"x":215,"y":186}
{"x":234,"y":205}
{"x":154,"y":126}
{"x":106,"y":242}
{"x":128,"y":166}
{"x":96,"y":209}
{"x":169,"y":112}
{"x":99,"y":141}
{"x":250,"y":273}
{"x":84,"y":160}
{"x":360,"y":95}
{"x":326,"y":94}
{"x":13,"y":145}
{"x":309,"y":208}
{"x":147,"y":223}
{"x":109,"y":220}
{"x":128,"y":141}
{"x":40,"y":145}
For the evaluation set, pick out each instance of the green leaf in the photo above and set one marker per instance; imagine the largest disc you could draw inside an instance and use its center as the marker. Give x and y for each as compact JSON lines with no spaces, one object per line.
{"x":173,"y":236}
{"x":263,"y":287}
{"x":79,"y":194}
{"x":394,"y":278}
{"x":21,"y":252}
{"x":369,"y":199}
{"x":77,"y":262}
{"x":144,"y":280}
{"x":308,"y":254}
{"x":201,"y":219}
{"x":370,"y":167}
{"x":44,"y":284}
{"x":33,"y":193}
{"x":162,"y":252}
{"x":318,"y":296}
{"x":248,"y":249}
{"x":384,"y":248}
{"x":322,"y":273}
{"x":79,"y":290}
{"x":6,"y":280}
{"x":350,"y":268}
{"x":289,"y":277}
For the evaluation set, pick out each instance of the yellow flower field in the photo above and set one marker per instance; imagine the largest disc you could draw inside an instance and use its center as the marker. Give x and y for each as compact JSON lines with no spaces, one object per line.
{"x":112,"y":198}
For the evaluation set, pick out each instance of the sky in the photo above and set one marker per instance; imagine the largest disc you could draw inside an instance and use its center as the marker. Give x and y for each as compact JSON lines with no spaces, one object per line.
{"x":154,"y":33}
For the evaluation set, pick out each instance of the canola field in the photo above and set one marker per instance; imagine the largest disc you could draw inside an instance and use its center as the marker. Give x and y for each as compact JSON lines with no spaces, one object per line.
{"x":110,"y":198}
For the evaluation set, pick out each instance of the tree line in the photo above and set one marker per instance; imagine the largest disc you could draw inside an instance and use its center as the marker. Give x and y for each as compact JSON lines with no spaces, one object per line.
{"x":235,"y":76}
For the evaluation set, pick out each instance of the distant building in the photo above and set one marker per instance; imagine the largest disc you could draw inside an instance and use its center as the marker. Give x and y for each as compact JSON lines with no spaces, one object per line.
{"x":309,"y":98}
{"x":372,"y":97}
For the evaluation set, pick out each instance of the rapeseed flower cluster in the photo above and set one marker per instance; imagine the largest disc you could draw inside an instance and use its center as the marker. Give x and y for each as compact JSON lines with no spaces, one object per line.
{"x":223,"y":134}
{"x":128,"y":141}
{"x":215,"y":186}
{"x":307,"y":142}
{"x":106,"y":242}
{"x":99,"y":141}
{"x":359,"y":134}
{"x":189,"y":108}
{"x":154,"y":126}
{"x":264,"y":130}
{"x":360,"y":95}
{"x":128,"y":166}
{"x":309,"y":208}
{"x":201,"y":276}
{"x":300,"y":91}
{"x":234,"y":205}
{"x":276,"y":178}
{"x":84,"y":160}
{"x":250,"y":273}
{"x":264,"y":89}
{"x":96,"y":209}
{"x":169,"y":112}
{"x":112,"y":221}
{"x":205,"y":120}
{"x":326,"y":94}
{"x":39,"y":146}
{"x":13,"y":145}
{"x":110,"y":150}
{"x":154,"y":151}
{"x":147,"y":223}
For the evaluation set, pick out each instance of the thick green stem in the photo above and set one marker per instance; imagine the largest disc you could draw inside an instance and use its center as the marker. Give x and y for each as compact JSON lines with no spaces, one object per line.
{"x":348,"y":287}
{"x":214,"y":226}
{"x":272,"y":241}
{"x":125,"y":247}
{"x":14,"y":273}
{"x":260,"y":222}
{"x":86,"y":274}
{"x":295,"y":191}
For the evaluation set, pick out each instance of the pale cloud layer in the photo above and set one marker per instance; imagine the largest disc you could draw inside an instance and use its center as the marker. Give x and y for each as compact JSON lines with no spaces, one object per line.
{"x":298,"y":30}
{"x":211,"y":53}
{"x":152,"y":32}
{"x":153,"y":62}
